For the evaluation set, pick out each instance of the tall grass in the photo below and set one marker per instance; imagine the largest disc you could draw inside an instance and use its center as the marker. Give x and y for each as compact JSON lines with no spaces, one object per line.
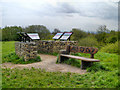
{"x":110,"y":48}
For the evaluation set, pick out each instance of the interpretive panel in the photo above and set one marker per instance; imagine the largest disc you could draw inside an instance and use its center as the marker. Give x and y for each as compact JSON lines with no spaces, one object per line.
{"x":58,"y":35}
{"x":66,"y":36}
{"x":33,"y":35}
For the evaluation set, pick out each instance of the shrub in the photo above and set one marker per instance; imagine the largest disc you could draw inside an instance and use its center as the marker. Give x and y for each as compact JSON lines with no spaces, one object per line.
{"x":110,"y":48}
{"x":88,"y":42}
{"x":78,"y":33}
{"x":112,"y":39}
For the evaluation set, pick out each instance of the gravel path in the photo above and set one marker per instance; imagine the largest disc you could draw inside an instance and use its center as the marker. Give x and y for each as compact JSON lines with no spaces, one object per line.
{"x":48,"y":63}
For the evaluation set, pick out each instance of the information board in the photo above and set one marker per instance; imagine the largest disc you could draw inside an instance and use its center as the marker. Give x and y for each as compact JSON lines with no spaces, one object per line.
{"x":66,"y":36}
{"x":33,"y":35}
{"x":58,"y":35}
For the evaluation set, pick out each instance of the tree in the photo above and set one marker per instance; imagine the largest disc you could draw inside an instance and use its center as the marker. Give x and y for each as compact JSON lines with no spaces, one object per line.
{"x":10,"y":33}
{"x":101,"y":35}
{"x":43,"y":32}
{"x":103,"y":29}
{"x":78,"y":34}
{"x":55,"y":31}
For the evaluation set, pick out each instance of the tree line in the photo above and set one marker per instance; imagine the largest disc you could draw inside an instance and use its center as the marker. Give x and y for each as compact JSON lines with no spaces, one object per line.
{"x":102,"y":36}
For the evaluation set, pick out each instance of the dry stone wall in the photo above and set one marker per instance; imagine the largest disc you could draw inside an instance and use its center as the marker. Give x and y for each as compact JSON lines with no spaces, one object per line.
{"x":28,"y":50}
{"x":53,"y":46}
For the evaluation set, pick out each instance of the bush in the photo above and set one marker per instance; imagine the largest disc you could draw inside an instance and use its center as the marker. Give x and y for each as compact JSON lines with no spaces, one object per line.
{"x":78,"y":33}
{"x":112,"y":39}
{"x":88,"y":42}
{"x":110,"y":48}
{"x":13,"y":58}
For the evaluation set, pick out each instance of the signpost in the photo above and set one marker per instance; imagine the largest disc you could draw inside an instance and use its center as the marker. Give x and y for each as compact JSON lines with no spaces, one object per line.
{"x":66,"y":36}
{"x":57,"y":36}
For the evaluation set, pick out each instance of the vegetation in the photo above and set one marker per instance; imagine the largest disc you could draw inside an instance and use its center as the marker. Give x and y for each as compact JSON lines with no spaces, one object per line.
{"x":8,"y":47}
{"x":106,"y":61}
{"x":88,"y":42}
{"x":78,"y":34}
{"x":110,"y":48}
{"x":43,"y":32}
{"x":100,"y":38}
{"x":13,"y":58}
{"x":101,"y":75}
{"x":8,"y":54}
{"x":10,"y":33}
{"x":37,"y":78}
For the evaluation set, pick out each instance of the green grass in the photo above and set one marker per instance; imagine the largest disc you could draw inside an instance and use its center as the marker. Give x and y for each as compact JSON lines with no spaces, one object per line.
{"x":8,"y":47}
{"x":8,"y":54}
{"x":13,"y":58}
{"x":111,"y":48}
{"x":101,"y":75}
{"x":36,"y":78}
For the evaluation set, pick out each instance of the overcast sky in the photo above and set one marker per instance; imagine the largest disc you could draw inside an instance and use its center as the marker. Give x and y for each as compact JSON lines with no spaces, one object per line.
{"x":61,"y":14}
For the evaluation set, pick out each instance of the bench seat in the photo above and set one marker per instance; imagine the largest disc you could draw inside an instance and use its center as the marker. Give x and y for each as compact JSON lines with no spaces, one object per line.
{"x":81,"y":58}
{"x":85,"y":62}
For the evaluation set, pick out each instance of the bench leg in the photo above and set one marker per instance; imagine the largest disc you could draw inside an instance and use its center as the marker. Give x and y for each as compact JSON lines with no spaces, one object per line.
{"x":85,"y":64}
{"x":61,"y":59}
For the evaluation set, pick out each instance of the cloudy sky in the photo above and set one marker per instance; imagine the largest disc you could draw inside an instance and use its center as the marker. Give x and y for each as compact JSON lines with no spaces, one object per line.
{"x":61,"y":14}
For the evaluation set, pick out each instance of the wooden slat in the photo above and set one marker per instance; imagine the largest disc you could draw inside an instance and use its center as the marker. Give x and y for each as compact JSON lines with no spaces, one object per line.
{"x":80,"y":58}
{"x":81,"y":49}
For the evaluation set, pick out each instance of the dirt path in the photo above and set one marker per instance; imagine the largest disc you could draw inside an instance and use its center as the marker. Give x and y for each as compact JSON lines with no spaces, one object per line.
{"x":48,"y":63}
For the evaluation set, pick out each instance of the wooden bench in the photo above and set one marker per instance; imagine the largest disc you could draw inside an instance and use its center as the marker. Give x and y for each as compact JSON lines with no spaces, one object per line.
{"x":85,"y":62}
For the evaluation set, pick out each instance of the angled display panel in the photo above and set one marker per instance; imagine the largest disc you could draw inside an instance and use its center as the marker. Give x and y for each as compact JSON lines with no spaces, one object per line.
{"x":58,"y":35}
{"x":66,"y":36}
{"x":33,"y":35}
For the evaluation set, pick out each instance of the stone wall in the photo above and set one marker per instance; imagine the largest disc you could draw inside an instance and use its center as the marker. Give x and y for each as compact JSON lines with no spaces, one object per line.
{"x":53,"y":46}
{"x":28,"y":50}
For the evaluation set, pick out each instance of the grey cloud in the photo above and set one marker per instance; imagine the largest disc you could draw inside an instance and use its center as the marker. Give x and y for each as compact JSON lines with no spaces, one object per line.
{"x":99,"y":10}
{"x":66,"y":8}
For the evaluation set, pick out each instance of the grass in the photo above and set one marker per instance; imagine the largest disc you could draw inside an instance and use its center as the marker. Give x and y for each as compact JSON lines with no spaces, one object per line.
{"x":106,"y":61}
{"x":111,"y":48}
{"x":36,"y":78}
{"x":8,"y":47}
{"x":101,"y":75}
{"x":8,"y":54}
{"x":13,"y":58}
